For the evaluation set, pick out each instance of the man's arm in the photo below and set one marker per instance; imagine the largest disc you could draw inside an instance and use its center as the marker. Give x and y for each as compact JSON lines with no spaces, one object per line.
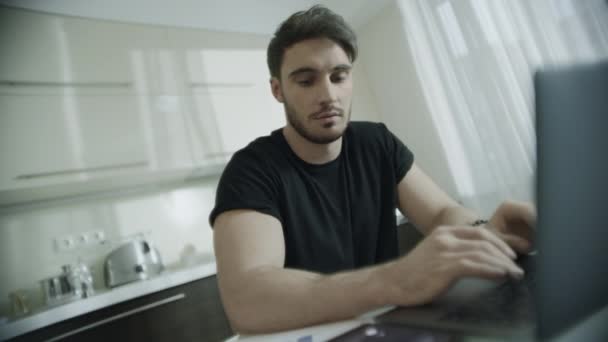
{"x":427,"y":206}
{"x":261,"y":296}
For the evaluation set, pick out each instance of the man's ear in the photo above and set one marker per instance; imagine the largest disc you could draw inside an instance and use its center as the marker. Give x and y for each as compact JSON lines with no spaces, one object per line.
{"x":275,"y":87}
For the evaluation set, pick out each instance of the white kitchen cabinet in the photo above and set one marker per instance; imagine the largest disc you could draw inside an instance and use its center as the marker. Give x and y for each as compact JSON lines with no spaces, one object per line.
{"x":33,"y":139}
{"x":53,"y":139}
{"x":225,"y":83}
{"x":203,"y":59}
{"x":61,"y":145}
{"x":88,"y":105}
{"x":202,"y":129}
{"x":85,"y":100}
{"x":166,"y":131}
{"x":117,"y":55}
{"x":224,"y":120}
{"x":31,"y":47}
{"x":50,"y":54}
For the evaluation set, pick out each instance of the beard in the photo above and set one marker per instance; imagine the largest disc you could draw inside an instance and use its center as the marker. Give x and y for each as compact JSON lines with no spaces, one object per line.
{"x":325,"y":135}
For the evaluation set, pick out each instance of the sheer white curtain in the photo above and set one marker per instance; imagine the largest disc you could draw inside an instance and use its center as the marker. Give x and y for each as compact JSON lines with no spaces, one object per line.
{"x":475,"y":60}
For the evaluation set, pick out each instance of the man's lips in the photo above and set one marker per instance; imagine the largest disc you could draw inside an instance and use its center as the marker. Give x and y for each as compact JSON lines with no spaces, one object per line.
{"x":326,"y":114}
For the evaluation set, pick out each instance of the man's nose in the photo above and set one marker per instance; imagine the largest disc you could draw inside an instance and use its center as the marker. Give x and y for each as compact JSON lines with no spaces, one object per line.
{"x":326,"y":92}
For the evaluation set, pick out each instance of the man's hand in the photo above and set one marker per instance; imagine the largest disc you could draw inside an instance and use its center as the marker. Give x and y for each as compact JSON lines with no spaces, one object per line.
{"x":447,"y":254}
{"x":514,"y":223}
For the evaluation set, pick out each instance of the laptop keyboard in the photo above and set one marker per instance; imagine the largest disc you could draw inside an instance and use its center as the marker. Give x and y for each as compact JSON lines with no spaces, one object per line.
{"x":509,"y":303}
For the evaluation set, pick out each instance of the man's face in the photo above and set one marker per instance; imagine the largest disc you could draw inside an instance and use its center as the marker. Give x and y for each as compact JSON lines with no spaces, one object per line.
{"x":315,"y":89}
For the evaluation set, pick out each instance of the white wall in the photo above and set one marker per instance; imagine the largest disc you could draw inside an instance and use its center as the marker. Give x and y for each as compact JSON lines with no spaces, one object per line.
{"x":394,"y":83}
{"x":364,"y":107}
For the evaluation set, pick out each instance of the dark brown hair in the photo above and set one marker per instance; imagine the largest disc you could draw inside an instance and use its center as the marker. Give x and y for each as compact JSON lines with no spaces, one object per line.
{"x":316,"y":22}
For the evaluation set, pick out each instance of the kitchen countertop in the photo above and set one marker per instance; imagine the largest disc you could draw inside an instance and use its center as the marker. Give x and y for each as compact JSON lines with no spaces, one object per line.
{"x":104,"y":298}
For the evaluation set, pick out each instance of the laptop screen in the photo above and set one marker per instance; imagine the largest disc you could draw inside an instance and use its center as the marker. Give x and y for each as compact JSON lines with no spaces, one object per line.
{"x":572,"y":194}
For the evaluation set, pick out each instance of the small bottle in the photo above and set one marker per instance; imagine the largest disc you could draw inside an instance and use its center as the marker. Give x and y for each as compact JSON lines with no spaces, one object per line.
{"x":85,"y":279}
{"x":71,"y":275}
{"x":19,"y":301}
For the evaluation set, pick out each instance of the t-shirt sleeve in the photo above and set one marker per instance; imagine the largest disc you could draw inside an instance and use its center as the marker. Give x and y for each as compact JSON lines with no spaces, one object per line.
{"x":401,"y":157}
{"x":246,"y":184}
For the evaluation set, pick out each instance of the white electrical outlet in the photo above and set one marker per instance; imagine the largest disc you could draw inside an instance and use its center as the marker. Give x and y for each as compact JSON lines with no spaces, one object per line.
{"x":80,"y":240}
{"x":65,"y":243}
{"x":97,"y":237}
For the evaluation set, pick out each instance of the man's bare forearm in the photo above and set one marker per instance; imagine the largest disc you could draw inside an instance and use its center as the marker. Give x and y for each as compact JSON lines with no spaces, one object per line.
{"x":271,"y":299}
{"x":455,"y":215}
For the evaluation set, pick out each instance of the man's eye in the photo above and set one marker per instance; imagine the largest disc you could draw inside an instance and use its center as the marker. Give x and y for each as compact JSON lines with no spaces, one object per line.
{"x":339,"y":77}
{"x":304,"y":83}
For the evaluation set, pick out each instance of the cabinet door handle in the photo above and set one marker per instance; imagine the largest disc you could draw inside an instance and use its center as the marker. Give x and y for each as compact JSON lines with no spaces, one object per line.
{"x":65,"y":84}
{"x":209,"y":85}
{"x":89,"y":169}
{"x":119,"y":316}
{"x":218,"y":154}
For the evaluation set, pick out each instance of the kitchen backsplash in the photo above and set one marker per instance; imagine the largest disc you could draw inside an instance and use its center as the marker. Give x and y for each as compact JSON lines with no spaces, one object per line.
{"x":175,"y":220}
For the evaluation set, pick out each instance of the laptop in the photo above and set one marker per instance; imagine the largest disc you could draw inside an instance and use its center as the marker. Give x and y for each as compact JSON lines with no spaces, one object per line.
{"x":566,"y":281}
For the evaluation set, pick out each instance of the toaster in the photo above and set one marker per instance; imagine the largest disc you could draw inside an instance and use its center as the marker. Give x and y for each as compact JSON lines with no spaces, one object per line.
{"x":132,"y":261}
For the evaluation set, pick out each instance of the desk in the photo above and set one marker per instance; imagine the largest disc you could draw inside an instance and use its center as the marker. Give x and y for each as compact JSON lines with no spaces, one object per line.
{"x":316,"y":333}
{"x":592,"y":328}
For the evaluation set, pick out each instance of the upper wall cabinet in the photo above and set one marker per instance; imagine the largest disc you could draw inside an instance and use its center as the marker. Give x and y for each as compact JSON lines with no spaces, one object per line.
{"x":224,"y":120}
{"x":227,"y":97}
{"x":204,"y":59}
{"x":94,"y":104}
{"x":31,"y":47}
{"x":117,"y":54}
{"x":51,"y":139}
{"x":52,"y":54}
{"x":54,"y":145}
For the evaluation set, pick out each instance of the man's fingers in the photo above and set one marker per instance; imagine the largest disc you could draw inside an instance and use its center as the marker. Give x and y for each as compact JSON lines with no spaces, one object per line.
{"x":472,"y":268}
{"x":518,"y":243}
{"x":475,"y":233}
{"x":520,"y":211}
{"x":468,"y":261}
{"x":465,"y":245}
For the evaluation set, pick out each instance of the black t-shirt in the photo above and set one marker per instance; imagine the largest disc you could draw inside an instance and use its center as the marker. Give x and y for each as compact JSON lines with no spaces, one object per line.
{"x":335,"y":216}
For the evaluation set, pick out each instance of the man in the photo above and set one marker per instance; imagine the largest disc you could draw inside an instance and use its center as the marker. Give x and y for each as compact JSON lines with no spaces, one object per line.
{"x":304,"y":225}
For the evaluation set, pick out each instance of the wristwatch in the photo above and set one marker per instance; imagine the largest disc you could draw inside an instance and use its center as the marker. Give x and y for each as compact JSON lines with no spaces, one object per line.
{"x":479,"y":222}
